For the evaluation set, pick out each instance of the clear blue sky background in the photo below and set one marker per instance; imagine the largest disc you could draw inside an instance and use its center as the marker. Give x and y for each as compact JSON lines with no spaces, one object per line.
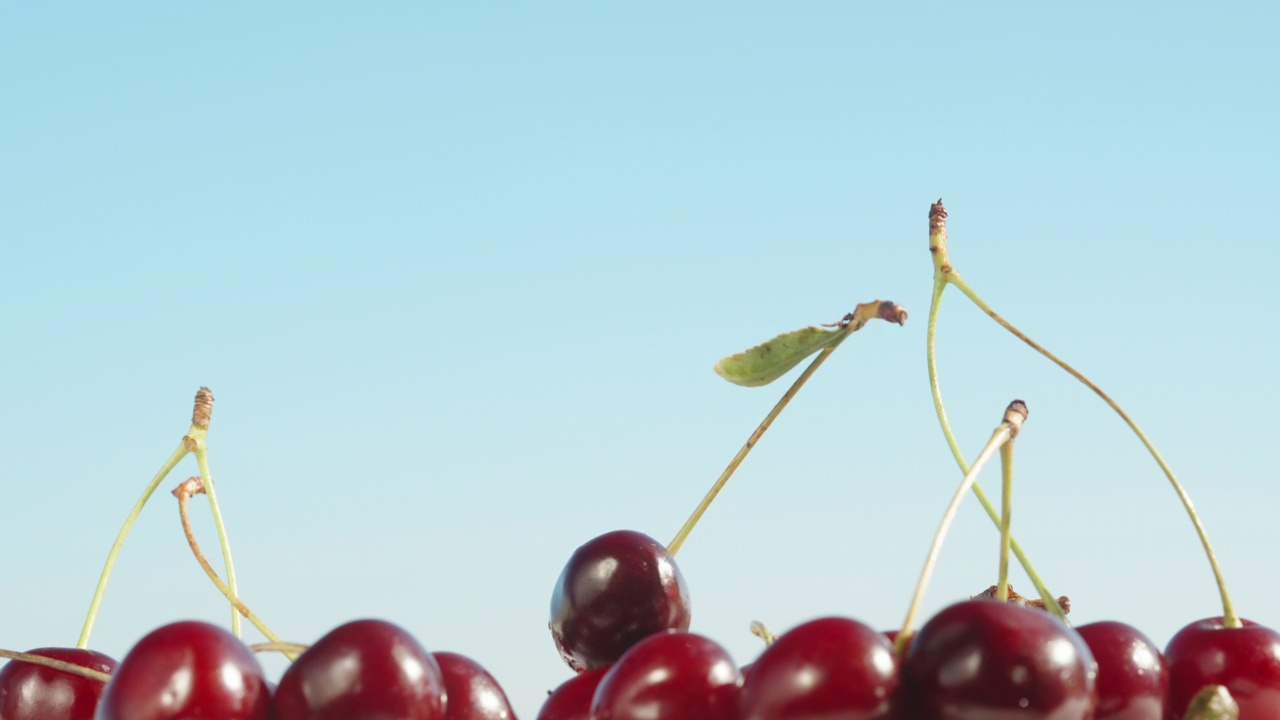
{"x":457,"y":275}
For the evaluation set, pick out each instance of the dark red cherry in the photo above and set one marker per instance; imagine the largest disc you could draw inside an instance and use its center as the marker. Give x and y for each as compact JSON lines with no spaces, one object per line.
{"x":572,"y":700}
{"x":672,"y":676}
{"x":830,"y":669}
{"x":615,"y":590}
{"x":363,"y":670}
{"x":472,"y":692}
{"x":184,"y":670}
{"x":1132,"y":681}
{"x":1246,"y":660}
{"x":984,"y":659}
{"x":36,"y":692}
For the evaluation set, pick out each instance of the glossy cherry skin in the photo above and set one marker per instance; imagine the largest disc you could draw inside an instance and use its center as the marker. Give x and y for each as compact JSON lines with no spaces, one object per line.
{"x":1246,"y":660}
{"x":672,"y":676}
{"x":363,"y":670}
{"x":35,"y":692}
{"x":472,"y":692}
{"x":984,"y":659}
{"x":184,"y":670}
{"x":826,"y":669}
{"x":616,"y":590}
{"x":572,"y":700}
{"x":1132,"y":681}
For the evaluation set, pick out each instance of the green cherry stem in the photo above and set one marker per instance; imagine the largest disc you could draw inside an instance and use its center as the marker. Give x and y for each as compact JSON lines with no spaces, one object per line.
{"x":195,"y":486}
{"x":1006,"y":517}
{"x":854,"y":321}
{"x":945,"y":274}
{"x":55,"y":664}
{"x":202,"y":461}
{"x":1014,"y":415}
{"x":199,"y":424}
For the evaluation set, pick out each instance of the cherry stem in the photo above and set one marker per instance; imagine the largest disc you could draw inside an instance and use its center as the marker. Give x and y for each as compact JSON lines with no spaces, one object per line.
{"x":759,"y":630}
{"x":280,"y":647}
{"x":945,"y":274}
{"x":940,"y":285}
{"x":202,"y":461}
{"x":1014,"y":415}
{"x":56,"y":664}
{"x":1006,"y":518}
{"x":200,"y":415}
{"x":854,"y":321}
{"x":184,"y":491}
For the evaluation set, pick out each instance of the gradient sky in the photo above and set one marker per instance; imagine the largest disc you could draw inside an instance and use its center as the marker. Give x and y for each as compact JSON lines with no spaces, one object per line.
{"x":457,"y":275}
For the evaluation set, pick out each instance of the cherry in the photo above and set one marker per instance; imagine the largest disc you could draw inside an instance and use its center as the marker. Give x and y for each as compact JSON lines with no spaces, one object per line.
{"x":1132,"y":681}
{"x":831,"y":668}
{"x":35,"y":692}
{"x":572,"y":700}
{"x":1246,"y":660}
{"x":616,"y":590}
{"x":363,"y":670}
{"x":981,"y":659}
{"x":472,"y":692}
{"x":673,"y":676}
{"x":183,"y":670}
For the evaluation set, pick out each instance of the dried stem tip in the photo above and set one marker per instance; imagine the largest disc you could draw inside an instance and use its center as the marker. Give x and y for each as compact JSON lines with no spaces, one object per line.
{"x":893,"y":312}
{"x":1015,"y":415}
{"x":203,"y":409}
{"x":1064,"y":602}
{"x":190,"y":487}
{"x":937,"y":215}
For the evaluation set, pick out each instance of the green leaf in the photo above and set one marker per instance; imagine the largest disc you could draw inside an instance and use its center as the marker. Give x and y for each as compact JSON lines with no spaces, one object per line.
{"x":769,"y":361}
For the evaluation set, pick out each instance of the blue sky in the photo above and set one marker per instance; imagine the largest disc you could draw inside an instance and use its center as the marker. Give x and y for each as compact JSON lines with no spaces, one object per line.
{"x":457,"y":275}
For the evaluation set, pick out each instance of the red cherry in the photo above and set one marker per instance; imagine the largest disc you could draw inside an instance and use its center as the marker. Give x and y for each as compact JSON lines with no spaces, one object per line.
{"x":1132,"y":681}
{"x":1246,"y":660}
{"x":572,"y":700}
{"x":981,"y":659}
{"x":185,"y":670}
{"x":35,"y":692}
{"x":831,"y":667}
{"x":615,"y":590}
{"x":472,"y":692}
{"x":672,"y":676}
{"x":363,"y":670}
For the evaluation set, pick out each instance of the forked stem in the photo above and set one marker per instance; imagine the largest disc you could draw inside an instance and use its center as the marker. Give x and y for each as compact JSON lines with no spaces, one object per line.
{"x":931,"y":352}
{"x":56,"y":664}
{"x":184,"y":491}
{"x":200,"y":414}
{"x":1014,"y":415}
{"x":944,"y":273}
{"x":852,"y":322}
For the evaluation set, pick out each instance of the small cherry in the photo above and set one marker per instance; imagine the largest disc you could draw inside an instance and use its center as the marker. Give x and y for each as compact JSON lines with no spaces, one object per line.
{"x":1133,"y":680}
{"x":35,"y":692}
{"x":1244,"y":659}
{"x":616,"y":590}
{"x":672,"y":676}
{"x":363,"y":670}
{"x":832,"y":668}
{"x":981,"y":659}
{"x":472,"y":692}
{"x":572,"y":700}
{"x":186,"y":670}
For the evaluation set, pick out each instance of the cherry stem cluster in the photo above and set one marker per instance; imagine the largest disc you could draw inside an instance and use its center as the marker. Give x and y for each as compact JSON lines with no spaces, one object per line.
{"x":862,"y":314}
{"x":945,"y":274}
{"x":192,"y":442}
{"x":1014,"y":415}
{"x":184,"y":491}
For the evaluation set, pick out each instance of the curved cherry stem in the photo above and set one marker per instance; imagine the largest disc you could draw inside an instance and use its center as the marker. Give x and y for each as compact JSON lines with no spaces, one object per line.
{"x":945,"y":274}
{"x":184,"y":491}
{"x":851,"y":323}
{"x":759,"y":630}
{"x":202,"y":461}
{"x":1014,"y":415}
{"x":931,"y":352}
{"x":62,"y":665}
